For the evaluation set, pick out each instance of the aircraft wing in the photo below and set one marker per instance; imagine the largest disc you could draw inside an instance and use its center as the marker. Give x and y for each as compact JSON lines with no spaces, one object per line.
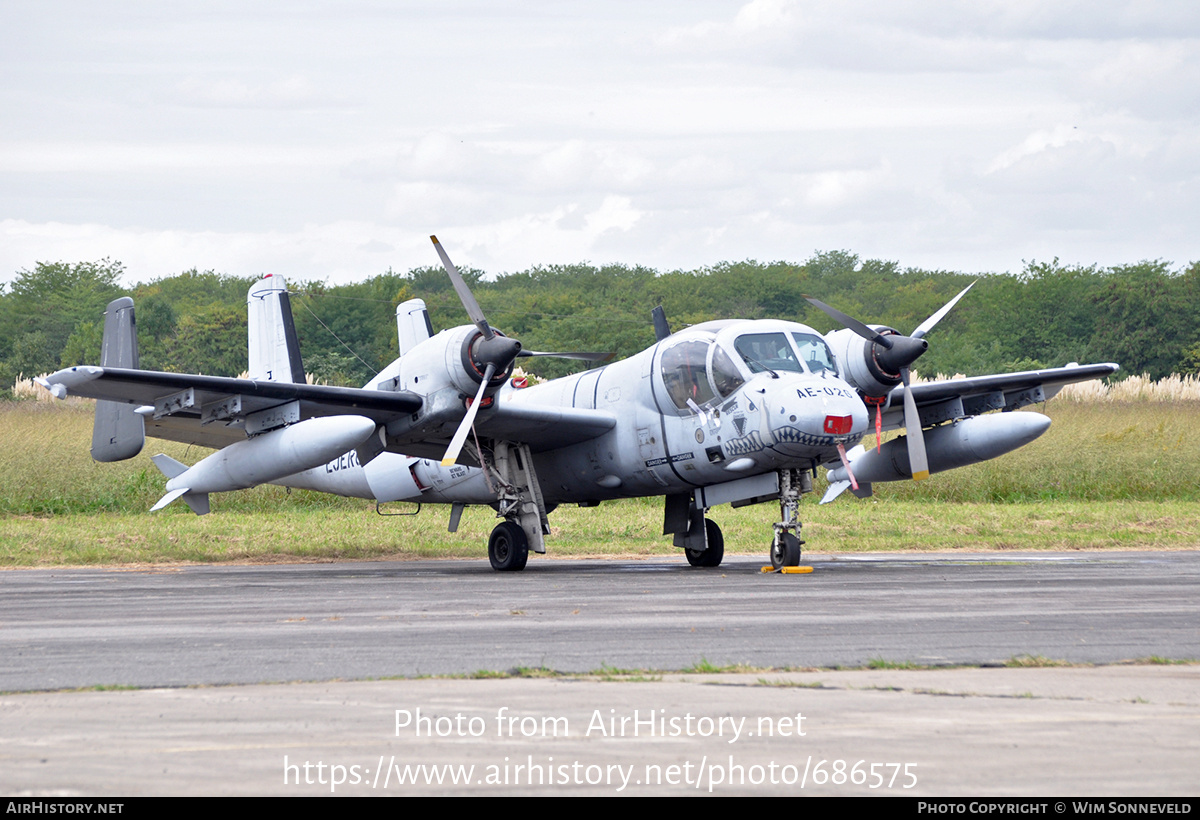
{"x":212,"y":410}
{"x":958,"y":398}
{"x":542,"y":427}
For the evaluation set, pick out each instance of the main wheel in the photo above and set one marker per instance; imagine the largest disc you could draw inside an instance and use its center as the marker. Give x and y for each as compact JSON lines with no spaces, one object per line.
{"x":712,"y":556}
{"x":508,"y":548}
{"x":786,"y":551}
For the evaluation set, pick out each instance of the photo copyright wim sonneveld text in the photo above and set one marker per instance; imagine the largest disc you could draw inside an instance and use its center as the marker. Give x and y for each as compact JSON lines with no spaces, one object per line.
{"x":710,"y":772}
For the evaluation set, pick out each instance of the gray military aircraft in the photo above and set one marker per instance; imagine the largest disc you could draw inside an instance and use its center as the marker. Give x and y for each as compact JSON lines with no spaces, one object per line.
{"x":724,"y":412}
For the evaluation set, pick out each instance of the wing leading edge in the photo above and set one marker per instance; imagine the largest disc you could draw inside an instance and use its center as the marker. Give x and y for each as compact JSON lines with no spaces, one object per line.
{"x":215,"y":411}
{"x":962,"y":398}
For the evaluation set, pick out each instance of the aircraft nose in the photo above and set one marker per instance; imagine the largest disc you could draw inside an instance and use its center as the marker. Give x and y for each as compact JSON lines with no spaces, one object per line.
{"x":821,"y":413}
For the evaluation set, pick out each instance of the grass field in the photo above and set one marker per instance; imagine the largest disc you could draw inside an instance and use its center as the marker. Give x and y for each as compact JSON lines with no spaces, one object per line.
{"x":1108,"y":475}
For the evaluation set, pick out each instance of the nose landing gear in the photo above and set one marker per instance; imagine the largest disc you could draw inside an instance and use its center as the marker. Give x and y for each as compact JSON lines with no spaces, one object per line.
{"x":785,"y":547}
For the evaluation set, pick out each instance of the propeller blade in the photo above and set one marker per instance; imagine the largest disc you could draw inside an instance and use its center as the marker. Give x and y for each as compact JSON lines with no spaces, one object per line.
{"x":918,"y":462}
{"x":928,"y":324}
{"x":464,"y":294}
{"x":851,"y":323}
{"x":583,"y":357}
{"x":460,"y":435}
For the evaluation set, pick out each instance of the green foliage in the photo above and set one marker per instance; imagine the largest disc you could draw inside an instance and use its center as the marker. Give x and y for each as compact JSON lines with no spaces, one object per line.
{"x":43,"y":308}
{"x":1141,"y":316}
{"x":83,"y":346}
{"x":1191,"y":360}
{"x":348,"y":333}
{"x":211,"y":341}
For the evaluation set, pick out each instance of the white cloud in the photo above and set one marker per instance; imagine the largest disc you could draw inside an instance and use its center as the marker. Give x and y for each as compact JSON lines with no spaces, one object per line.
{"x":765,"y":14}
{"x":329,"y":141}
{"x":1035,"y":143}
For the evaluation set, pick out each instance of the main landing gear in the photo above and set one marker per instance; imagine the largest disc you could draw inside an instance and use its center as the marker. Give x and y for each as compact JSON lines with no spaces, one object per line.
{"x":715,"y":553}
{"x":699,"y":537}
{"x":508,"y":548}
{"x":509,"y":469}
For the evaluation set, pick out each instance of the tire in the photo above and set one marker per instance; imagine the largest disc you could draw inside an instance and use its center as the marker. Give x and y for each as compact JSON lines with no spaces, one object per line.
{"x":785,"y":553}
{"x":715,"y":553}
{"x":508,"y":547}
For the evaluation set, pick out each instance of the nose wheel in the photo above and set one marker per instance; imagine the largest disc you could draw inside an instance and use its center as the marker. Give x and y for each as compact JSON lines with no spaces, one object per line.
{"x":785,"y":551}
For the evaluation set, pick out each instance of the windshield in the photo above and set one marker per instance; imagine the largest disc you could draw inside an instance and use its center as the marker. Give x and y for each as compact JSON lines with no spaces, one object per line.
{"x":815,"y":353}
{"x":767,"y":351}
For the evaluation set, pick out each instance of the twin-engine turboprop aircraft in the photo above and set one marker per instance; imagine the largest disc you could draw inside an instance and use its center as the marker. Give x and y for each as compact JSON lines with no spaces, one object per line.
{"x":725,"y":412}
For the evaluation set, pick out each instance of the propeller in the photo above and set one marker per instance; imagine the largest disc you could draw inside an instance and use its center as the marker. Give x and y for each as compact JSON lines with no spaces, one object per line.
{"x":582,"y":357}
{"x":464,"y":293}
{"x":490,"y":353}
{"x":460,"y":435}
{"x":896,"y":353}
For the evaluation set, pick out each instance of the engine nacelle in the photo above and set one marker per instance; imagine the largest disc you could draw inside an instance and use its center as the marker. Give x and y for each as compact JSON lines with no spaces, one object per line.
{"x":859,"y":364}
{"x":452,"y":358}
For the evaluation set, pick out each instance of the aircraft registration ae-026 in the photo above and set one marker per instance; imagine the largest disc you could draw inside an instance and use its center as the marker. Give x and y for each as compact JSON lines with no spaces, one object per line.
{"x":724,"y":412}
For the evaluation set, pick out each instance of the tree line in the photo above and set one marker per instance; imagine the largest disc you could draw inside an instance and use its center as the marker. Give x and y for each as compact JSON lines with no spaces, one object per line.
{"x":1142,"y":316}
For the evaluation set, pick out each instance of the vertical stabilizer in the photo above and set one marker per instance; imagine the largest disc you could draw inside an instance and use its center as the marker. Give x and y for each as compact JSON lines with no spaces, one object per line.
{"x":118,"y":432}
{"x":273,"y":347}
{"x":662,"y":329}
{"x":412,"y":324}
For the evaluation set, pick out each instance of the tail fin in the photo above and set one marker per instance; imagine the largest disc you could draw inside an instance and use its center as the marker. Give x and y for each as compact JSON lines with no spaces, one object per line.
{"x":662,"y":328}
{"x":118,"y":432}
{"x":274,"y":350}
{"x":412,"y":324}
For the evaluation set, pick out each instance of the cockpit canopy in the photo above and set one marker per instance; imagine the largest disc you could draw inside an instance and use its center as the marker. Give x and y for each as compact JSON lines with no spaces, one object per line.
{"x":699,"y":370}
{"x":702,"y":368}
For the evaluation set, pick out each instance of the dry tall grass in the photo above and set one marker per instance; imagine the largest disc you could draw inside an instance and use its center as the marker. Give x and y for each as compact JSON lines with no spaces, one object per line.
{"x":24,"y":389}
{"x":1173,"y":388}
{"x":1133,"y":389}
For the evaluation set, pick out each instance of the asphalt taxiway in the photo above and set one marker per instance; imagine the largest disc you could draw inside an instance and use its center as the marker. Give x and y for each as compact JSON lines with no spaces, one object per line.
{"x":220,"y":653}
{"x":181,"y":626}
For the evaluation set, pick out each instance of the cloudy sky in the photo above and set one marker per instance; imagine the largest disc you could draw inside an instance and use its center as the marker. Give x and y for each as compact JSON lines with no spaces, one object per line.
{"x":327,"y":140}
